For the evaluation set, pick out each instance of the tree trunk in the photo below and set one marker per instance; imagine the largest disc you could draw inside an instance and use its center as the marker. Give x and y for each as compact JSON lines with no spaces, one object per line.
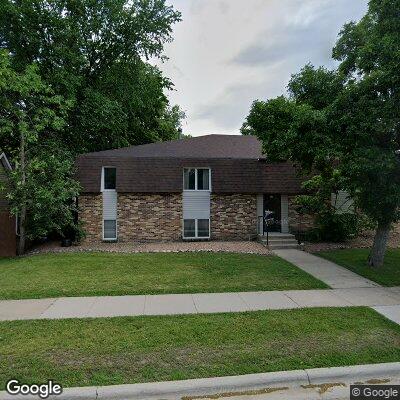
{"x":22,"y":233}
{"x":22,"y":215}
{"x":378,"y":250}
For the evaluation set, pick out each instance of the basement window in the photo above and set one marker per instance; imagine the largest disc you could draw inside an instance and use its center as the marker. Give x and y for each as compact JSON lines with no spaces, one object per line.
{"x":110,"y":229}
{"x":196,"y":229}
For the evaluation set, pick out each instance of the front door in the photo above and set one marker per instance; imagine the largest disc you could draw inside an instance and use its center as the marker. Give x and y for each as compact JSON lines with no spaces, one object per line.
{"x":272,"y":203}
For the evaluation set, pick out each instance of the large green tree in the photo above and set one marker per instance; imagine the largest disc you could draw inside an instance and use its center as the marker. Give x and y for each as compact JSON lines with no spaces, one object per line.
{"x":94,"y":53}
{"x":42,"y":187}
{"x":346,"y":122}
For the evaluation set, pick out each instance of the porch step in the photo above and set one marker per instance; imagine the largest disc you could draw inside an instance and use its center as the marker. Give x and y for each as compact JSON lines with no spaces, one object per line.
{"x":277,"y":236}
{"x":279,"y":241}
{"x":283,"y":246}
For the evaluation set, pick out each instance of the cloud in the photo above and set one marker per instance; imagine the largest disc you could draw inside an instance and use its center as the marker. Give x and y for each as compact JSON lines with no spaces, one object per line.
{"x":227,"y":53}
{"x":230,"y":108}
{"x":304,"y":30}
{"x":227,"y":110}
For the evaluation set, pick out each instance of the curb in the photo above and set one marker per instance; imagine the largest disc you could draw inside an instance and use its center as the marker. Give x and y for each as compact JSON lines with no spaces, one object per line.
{"x":230,"y":384}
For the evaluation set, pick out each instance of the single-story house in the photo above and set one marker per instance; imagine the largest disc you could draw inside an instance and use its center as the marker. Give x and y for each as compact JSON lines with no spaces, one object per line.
{"x":8,"y":239}
{"x":209,"y":187}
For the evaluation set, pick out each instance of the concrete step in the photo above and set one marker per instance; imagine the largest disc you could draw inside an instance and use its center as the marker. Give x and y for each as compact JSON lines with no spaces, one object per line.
{"x":277,"y":236}
{"x":276,"y":240}
{"x":283,"y":246}
{"x":279,"y":242}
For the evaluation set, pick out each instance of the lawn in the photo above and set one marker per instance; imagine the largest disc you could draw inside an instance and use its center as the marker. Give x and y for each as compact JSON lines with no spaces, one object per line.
{"x":108,"y":351}
{"x":97,"y":274}
{"x":356,"y":261}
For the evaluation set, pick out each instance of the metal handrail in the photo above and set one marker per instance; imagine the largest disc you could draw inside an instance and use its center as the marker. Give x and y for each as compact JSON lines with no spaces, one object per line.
{"x":265,"y":221}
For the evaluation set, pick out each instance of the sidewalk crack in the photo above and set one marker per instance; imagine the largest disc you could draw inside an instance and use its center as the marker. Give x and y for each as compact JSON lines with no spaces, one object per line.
{"x":244,"y":301}
{"x":295,"y":302}
{"x":308,"y":377}
{"x":50,"y":305}
{"x":144,"y":304}
{"x":194,"y":303}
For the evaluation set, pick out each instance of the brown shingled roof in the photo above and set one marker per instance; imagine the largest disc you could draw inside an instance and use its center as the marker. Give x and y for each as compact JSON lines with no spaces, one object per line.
{"x":209,"y":146}
{"x":236,"y":162}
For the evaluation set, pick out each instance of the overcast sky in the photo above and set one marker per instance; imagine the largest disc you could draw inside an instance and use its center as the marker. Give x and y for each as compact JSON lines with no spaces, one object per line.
{"x":227,"y":53}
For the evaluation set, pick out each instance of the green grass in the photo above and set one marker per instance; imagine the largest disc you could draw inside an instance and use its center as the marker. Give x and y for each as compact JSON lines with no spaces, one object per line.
{"x":97,"y":274}
{"x":108,"y":351}
{"x":356,"y":261}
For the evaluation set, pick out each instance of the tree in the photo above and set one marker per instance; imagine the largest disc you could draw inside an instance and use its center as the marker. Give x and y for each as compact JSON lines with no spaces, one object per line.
{"x":94,"y":52}
{"x":41,"y":187}
{"x":367,"y":115}
{"x":346,"y":121}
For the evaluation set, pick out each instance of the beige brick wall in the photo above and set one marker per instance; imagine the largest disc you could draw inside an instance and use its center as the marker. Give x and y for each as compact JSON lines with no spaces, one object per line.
{"x":233,"y":216}
{"x":149,"y":216}
{"x":91,"y":215}
{"x":158,"y":217}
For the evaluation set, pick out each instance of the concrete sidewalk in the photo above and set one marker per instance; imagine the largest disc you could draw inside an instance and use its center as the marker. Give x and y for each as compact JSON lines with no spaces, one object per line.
{"x":170,"y":304}
{"x":333,"y":275}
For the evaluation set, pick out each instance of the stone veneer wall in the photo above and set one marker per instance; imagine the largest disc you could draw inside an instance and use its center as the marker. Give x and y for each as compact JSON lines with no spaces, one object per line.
{"x":91,"y":215}
{"x":299,"y":222}
{"x":147,"y":217}
{"x":233,"y":216}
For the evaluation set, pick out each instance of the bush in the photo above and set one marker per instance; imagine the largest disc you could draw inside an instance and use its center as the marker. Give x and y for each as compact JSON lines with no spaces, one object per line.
{"x":333,"y":227}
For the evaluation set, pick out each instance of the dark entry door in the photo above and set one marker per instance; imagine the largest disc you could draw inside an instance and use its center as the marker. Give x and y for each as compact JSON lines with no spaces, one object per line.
{"x":272,"y":202}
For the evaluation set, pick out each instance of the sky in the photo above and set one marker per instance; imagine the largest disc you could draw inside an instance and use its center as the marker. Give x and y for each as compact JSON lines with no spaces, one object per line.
{"x":228,"y":53}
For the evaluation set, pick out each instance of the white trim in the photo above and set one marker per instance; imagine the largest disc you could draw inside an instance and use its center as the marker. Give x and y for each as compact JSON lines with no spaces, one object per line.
{"x":196,"y":237}
{"x":260,"y":212}
{"x":195,"y":180}
{"x":102,"y":179}
{"x":284,"y":213}
{"x":2,"y":155}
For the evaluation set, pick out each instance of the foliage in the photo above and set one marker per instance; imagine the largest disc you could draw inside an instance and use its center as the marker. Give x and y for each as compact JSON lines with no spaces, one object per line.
{"x":93,"y":53}
{"x":333,"y":227}
{"x":41,"y":185}
{"x":346,"y":120}
{"x":49,"y":191}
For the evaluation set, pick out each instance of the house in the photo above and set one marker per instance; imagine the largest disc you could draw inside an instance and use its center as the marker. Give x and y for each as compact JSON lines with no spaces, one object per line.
{"x":8,"y":239}
{"x":209,"y":187}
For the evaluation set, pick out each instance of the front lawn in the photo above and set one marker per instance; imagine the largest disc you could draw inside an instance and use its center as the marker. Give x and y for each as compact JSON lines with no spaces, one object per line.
{"x":107,"y":351}
{"x":99,"y":274}
{"x":356,"y":261}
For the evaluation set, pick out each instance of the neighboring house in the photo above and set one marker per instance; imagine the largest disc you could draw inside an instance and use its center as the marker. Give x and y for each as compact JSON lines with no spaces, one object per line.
{"x":8,"y":239}
{"x":208,"y":187}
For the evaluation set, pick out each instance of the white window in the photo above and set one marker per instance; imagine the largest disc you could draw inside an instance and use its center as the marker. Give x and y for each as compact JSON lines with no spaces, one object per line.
{"x":196,"y":228}
{"x":196,"y":179}
{"x":110,"y":198}
{"x":109,"y":178}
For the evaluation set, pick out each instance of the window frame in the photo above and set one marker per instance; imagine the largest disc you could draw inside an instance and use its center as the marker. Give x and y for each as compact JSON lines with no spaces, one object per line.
{"x":196,"y":229}
{"x":103,"y":175}
{"x":196,"y":180}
